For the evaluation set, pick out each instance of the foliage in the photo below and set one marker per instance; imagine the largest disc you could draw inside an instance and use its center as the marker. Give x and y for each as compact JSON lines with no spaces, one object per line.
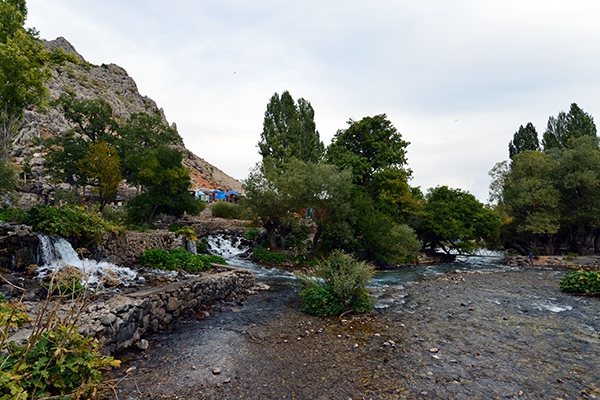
{"x":71,"y":222}
{"x":566,"y":126}
{"x":102,"y":168}
{"x":186,"y":231}
{"x":12,"y":214}
{"x":455,"y":218}
{"x":12,"y":315}
{"x":340,"y":286}
{"x":92,"y":122}
{"x":265,"y":256}
{"x":587,"y":282}
{"x":179,"y":259}
{"x":23,"y":70}
{"x":289,"y":131}
{"x":223,"y":209}
{"x":62,"y":362}
{"x":367,"y":147}
{"x":143,"y":131}
{"x":202,"y":246}
{"x":8,"y":177}
{"x":251,"y":234}
{"x":165,"y":182}
{"x":526,"y":138}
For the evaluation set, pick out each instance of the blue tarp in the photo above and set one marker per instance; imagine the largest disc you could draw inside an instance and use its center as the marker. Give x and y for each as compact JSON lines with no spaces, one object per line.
{"x":219,"y":195}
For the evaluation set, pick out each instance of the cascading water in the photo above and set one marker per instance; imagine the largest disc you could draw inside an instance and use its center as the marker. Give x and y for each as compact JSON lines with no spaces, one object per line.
{"x":232,"y":250}
{"x":56,"y":253}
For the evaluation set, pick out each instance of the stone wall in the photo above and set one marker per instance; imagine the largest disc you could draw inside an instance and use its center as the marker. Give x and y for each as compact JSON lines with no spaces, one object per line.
{"x":122,"y":320}
{"x":125,"y":250}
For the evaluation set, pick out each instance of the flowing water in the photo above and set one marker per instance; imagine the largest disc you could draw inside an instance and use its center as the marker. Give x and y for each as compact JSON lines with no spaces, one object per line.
{"x":56,"y":253}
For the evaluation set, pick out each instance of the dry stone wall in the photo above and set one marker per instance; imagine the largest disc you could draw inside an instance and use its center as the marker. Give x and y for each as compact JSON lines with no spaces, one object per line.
{"x":123,"y":320}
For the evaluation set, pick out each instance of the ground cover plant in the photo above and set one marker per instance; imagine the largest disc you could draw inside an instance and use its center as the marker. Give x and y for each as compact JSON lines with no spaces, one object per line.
{"x":179,"y":259}
{"x":56,"y":361}
{"x":587,"y":282}
{"x":337,"y":285}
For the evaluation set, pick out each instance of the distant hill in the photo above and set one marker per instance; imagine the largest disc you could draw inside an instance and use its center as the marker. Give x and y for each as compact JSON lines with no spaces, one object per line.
{"x":111,"y":83}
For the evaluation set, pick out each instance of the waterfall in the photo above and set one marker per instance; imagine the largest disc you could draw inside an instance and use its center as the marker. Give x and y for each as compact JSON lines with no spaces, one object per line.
{"x":56,"y":253}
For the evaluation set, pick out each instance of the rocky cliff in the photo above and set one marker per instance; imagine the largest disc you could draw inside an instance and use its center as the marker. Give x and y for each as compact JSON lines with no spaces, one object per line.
{"x":111,"y":83}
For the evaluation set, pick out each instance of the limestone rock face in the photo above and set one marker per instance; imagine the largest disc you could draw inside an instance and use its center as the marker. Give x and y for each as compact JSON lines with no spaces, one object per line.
{"x":111,"y":83}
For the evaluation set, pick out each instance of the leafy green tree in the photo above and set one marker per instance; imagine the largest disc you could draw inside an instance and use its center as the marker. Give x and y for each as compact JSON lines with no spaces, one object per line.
{"x":289,"y":131}
{"x":456,"y":219}
{"x":531,"y":198}
{"x":23,"y":70}
{"x":92,"y":122}
{"x":165,"y":183}
{"x":526,"y":138}
{"x":578,"y":180}
{"x":8,"y":178}
{"x":369,"y":146}
{"x":143,"y":131}
{"x":102,"y":168}
{"x":574,"y":124}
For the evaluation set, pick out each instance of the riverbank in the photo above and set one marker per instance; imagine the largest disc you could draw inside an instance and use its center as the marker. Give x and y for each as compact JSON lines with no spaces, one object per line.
{"x":462,"y":336}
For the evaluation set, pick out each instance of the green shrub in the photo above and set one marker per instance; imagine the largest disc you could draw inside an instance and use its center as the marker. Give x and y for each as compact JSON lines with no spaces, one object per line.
{"x":251,"y":234}
{"x":62,"y":362}
{"x":11,"y":214}
{"x":179,"y":259}
{"x":71,"y":222}
{"x":587,"y":282}
{"x":227,"y":210}
{"x":337,"y":287}
{"x":202,"y":246}
{"x":263,"y":255}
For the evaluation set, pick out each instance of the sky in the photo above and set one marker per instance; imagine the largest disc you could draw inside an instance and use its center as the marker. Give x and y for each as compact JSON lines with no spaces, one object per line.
{"x":455,"y":77}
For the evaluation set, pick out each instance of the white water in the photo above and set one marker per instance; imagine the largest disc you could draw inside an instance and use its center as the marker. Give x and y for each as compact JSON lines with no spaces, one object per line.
{"x":387,"y":286}
{"x":57,"y":253}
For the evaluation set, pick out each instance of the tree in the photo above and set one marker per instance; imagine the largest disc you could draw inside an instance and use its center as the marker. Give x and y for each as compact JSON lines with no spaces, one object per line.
{"x":92,"y":122}
{"x":143,"y":131}
{"x":566,"y":126}
{"x":165,"y":183}
{"x":526,"y":138}
{"x":23,"y":70}
{"x":530,"y":197}
{"x":102,"y":168}
{"x":289,"y":131}
{"x":8,"y":178}
{"x":456,"y":219}
{"x":277,"y":195}
{"x":369,"y":146}
{"x":578,"y":180}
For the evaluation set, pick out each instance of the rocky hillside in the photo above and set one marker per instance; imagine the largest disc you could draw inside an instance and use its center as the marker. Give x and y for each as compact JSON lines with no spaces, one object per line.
{"x":111,"y":83}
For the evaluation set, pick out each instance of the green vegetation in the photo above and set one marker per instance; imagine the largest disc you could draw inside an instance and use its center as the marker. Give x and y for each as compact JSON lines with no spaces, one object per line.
{"x":185,"y":231}
{"x":337,"y":286}
{"x":263,"y":255}
{"x":549,"y":197}
{"x":74,"y":223}
{"x":227,"y":210}
{"x":585,"y":282}
{"x":251,"y":234}
{"x":179,"y":259}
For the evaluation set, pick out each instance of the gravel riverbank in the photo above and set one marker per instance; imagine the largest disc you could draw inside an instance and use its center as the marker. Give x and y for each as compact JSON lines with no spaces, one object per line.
{"x":461,"y":336}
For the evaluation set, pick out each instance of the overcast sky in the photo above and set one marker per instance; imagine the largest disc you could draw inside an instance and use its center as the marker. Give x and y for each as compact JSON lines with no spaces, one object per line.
{"x":455,"y":77}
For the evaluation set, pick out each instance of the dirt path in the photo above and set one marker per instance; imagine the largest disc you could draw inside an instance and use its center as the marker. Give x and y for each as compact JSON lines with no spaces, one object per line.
{"x":464,"y":336}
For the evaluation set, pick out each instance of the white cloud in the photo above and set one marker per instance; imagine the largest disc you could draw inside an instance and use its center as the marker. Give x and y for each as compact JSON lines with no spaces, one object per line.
{"x":456,"y":78}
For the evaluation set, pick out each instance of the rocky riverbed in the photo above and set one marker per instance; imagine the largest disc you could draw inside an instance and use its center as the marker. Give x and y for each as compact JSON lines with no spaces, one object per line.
{"x":461,"y":336}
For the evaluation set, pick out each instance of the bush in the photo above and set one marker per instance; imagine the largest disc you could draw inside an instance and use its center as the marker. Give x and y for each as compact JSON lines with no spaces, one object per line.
{"x":62,"y":362}
{"x":223,"y":209}
{"x":337,"y":287}
{"x":202,"y":246}
{"x":80,"y":227}
{"x":11,"y":214}
{"x":587,"y":282}
{"x":263,"y":255}
{"x":251,"y":234}
{"x":179,"y":259}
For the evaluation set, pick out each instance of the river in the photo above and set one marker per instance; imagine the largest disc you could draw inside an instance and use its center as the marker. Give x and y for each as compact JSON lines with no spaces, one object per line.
{"x":477,"y":330}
